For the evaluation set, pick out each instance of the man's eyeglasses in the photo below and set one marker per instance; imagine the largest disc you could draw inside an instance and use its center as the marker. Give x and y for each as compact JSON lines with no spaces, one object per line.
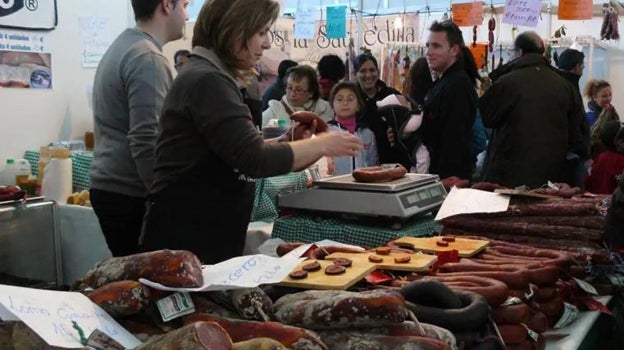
{"x":296,"y":91}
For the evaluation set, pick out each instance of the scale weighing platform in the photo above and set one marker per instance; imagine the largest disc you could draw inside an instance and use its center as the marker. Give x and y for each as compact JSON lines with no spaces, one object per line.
{"x":401,"y":198}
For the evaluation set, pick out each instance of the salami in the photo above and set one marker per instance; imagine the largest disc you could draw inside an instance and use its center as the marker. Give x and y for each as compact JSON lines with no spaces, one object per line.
{"x":355,"y":340}
{"x":375,"y":259}
{"x":259,"y":344}
{"x":520,"y":227}
{"x":382,"y":173}
{"x":383,"y":250}
{"x":431,"y":293}
{"x":121,"y":298}
{"x":317,"y":310}
{"x":239,"y":330}
{"x":312,"y":266}
{"x":204,"y":304}
{"x":252,"y":303}
{"x":511,"y":314}
{"x":494,"y":291}
{"x":335,"y":270}
{"x":195,"y":336}
{"x":472,"y":316}
{"x":173,"y":268}
{"x":309,"y":119}
{"x":298,"y":274}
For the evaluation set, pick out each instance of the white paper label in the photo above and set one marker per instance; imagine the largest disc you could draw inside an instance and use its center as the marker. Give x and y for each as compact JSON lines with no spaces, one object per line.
{"x":569,"y":315}
{"x":616,"y":279}
{"x":175,"y":305}
{"x":586,"y":286}
{"x":533,"y":335}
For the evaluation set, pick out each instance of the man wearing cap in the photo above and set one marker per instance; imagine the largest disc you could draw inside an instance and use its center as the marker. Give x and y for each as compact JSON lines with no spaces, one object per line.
{"x":571,"y":64}
{"x":534,"y":114}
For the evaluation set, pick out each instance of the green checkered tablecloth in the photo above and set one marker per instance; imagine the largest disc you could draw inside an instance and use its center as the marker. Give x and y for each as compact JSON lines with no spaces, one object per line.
{"x":81,"y":162}
{"x":310,"y":229}
{"x":267,"y":190}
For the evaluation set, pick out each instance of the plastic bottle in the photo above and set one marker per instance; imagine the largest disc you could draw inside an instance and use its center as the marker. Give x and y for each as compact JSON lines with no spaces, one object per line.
{"x":57,"y":178}
{"x":14,"y":170}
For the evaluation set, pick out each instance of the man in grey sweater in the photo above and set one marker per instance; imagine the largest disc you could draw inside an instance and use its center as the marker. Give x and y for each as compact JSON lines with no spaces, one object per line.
{"x":130,"y":85}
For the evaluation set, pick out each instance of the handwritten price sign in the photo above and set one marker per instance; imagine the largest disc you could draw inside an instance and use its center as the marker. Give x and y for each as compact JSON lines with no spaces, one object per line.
{"x":522,"y":12}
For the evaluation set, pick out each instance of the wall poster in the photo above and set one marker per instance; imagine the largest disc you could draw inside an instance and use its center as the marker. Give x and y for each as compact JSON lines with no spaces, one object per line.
{"x":25,"y":61}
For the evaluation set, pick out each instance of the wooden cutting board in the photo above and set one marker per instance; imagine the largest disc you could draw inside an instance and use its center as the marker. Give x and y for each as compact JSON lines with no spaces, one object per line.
{"x":465,"y":246}
{"x":319,"y":280}
{"x":418,"y":262}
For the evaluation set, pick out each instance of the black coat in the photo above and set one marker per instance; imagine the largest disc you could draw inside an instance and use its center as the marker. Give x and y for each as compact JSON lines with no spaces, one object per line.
{"x":371,"y":119}
{"x":449,"y":113}
{"x":581,"y":149}
{"x":534,"y":114}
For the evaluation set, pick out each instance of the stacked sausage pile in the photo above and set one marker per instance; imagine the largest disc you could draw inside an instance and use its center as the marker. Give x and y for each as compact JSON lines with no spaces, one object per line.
{"x":251,"y":318}
{"x":574,"y":224}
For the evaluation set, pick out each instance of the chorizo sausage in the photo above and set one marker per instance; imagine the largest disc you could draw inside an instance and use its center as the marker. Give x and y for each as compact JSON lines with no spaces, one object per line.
{"x":354,"y":340}
{"x":318,"y":309}
{"x":173,"y":268}
{"x":121,"y":298}
{"x":511,"y":314}
{"x":307,"y":118}
{"x":432,"y":293}
{"x":472,"y":316}
{"x":513,"y":333}
{"x":494,"y":291}
{"x":293,"y":337}
{"x":251,"y":303}
{"x":517,"y":279}
{"x":195,"y":336}
{"x":379,"y":173}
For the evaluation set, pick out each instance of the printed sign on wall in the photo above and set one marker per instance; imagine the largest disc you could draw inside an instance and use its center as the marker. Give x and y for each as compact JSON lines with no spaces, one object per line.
{"x":522,"y":12}
{"x":29,"y":14}
{"x":25,"y":61}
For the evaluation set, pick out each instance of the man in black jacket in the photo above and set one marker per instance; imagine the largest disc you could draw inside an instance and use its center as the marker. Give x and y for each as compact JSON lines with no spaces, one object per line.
{"x":534,"y":114}
{"x":451,"y":104}
{"x":571,"y":64}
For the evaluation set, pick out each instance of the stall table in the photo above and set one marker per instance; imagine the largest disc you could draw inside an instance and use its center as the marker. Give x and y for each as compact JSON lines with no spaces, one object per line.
{"x":364,"y":233}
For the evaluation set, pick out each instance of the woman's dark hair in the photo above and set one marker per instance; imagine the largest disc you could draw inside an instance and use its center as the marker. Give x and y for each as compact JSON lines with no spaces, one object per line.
{"x":283,"y":68}
{"x":611,"y":132}
{"x":420,"y":80}
{"x":305,"y":71}
{"x":179,"y":53}
{"x":345,"y":85}
{"x":332,"y":67}
{"x":360,"y":59}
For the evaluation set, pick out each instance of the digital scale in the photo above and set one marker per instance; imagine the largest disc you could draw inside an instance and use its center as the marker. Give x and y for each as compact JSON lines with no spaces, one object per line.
{"x":401,"y":198}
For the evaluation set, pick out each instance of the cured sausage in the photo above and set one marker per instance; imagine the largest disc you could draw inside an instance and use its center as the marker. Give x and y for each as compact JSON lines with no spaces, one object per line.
{"x":355,"y":340}
{"x":335,"y":270}
{"x":375,"y":259}
{"x":259,"y":344}
{"x":172,"y":268}
{"x":204,"y":304}
{"x":516,"y":279}
{"x":298,"y":274}
{"x":442,"y":243}
{"x":251,"y":303}
{"x":239,"y":330}
{"x":383,"y":250}
{"x":494,"y":291}
{"x":513,"y":333}
{"x":312,"y":266}
{"x":402,"y":259}
{"x":285,"y":248}
{"x":432,"y":293}
{"x":318,"y":309}
{"x":379,"y":173}
{"x":121,"y":298}
{"x":472,"y":316}
{"x":511,"y":314}
{"x":342,"y":262}
{"x":307,"y":118}
{"x":195,"y":336}
{"x":319,"y":253}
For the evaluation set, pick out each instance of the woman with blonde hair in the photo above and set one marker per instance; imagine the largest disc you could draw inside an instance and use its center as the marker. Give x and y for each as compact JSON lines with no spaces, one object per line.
{"x":208,"y":151}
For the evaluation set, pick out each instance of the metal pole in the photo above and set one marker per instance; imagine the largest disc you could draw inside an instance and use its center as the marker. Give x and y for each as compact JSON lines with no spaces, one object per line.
{"x":358,"y":18}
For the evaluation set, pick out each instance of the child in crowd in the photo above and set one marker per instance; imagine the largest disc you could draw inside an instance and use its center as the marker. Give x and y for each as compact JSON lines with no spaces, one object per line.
{"x":608,"y":165}
{"x":346,"y":103}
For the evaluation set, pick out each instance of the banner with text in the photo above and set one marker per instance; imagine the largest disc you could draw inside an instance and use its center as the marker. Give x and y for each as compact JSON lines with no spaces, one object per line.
{"x":468,"y":14}
{"x":575,"y":9}
{"x":30,"y":14}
